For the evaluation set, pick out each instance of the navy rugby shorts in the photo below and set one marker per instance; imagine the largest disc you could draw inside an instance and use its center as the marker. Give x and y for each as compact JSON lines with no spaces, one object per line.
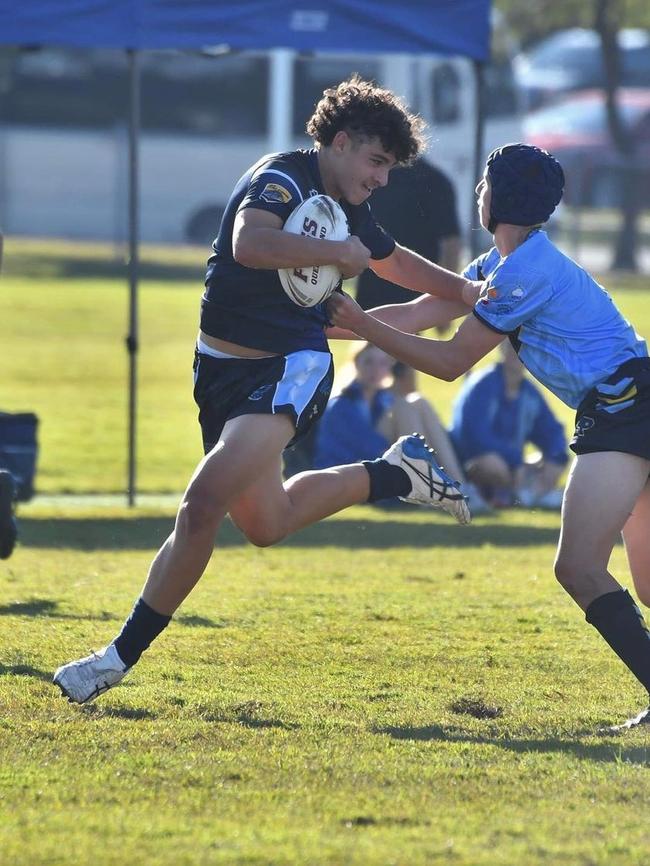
{"x":297,"y":385}
{"x":615,"y":415}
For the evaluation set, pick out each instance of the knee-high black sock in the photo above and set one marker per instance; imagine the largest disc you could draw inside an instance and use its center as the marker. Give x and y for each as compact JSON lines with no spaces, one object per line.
{"x":386,"y":480}
{"x":139,"y":631}
{"x":621,"y":623}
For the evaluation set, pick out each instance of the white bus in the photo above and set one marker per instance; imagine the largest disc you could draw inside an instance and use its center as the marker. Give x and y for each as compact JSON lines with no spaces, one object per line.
{"x":205,"y":119}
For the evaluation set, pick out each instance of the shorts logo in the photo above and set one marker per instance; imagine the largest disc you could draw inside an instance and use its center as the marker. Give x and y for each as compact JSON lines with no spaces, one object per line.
{"x":257,"y":395}
{"x":585,"y":423}
{"x":489,"y":293}
{"x":273,"y":193}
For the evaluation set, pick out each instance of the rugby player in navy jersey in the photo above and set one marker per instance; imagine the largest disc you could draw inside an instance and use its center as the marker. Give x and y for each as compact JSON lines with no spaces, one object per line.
{"x":263,"y":370}
{"x":568,"y":333}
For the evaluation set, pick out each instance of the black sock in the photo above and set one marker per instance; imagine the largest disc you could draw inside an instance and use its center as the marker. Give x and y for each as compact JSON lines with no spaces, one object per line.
{"x":386,"y":480}
{"x":139,"y":631}
{"x":621,"y":623}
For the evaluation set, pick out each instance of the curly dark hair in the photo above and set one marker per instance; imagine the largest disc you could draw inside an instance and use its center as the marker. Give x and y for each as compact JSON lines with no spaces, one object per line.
{"x":363,"y":109}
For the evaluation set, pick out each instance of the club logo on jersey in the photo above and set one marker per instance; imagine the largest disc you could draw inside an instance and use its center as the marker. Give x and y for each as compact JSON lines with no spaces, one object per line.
{"x":517,"y":293}
{"x":273,"y":193}
{"x":585,"y":423}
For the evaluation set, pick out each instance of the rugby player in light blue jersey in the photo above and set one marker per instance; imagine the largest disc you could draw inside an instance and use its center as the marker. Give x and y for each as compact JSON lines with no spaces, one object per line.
{"x":263,"y":369}
{"x":571,"y":337}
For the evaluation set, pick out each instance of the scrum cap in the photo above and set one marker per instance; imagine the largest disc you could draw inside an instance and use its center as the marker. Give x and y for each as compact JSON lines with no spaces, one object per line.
{"x":527,"y":185}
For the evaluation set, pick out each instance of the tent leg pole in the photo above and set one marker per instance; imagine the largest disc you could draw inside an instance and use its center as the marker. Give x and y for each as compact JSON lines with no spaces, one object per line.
{"x":132,"y":338}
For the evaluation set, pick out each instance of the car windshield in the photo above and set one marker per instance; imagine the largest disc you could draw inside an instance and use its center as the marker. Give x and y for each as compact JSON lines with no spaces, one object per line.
{"x":573,"y":49}
{"x":577,"y":116}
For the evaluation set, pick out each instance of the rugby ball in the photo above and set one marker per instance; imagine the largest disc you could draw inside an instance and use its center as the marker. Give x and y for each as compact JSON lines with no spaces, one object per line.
{"x":317,"y":217}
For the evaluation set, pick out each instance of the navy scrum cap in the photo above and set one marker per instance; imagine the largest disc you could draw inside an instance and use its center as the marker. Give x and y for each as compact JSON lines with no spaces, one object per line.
{"x":527,"y":185}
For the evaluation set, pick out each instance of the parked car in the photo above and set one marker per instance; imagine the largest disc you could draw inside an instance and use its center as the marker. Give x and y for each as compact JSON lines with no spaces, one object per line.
{"x":575,"y":130}
{"x":571,"y":60}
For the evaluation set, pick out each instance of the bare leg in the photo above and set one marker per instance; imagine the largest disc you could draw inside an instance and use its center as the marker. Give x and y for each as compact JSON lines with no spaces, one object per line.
{"x":600,"y":495}
{"x":244,"y":451}
{"x":267,"y":512}
{"x":248,"y":459}
{"x":415,"y":414}
{"x":636,"y":535}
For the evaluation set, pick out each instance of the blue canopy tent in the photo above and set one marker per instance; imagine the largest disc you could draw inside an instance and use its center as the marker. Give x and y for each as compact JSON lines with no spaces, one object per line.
{"x":452,"y":27}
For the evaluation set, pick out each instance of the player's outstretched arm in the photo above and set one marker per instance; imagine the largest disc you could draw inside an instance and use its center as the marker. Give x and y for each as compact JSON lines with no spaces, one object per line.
{"x":408,"y":269}
{"x":444,"y":359}
{"x":259,"y":242}
{"x":418,"y":315}
{"x":426,"y":311}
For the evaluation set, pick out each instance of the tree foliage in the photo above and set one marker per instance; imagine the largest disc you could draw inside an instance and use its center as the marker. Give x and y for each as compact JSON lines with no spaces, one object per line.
{"x":531,"y":21}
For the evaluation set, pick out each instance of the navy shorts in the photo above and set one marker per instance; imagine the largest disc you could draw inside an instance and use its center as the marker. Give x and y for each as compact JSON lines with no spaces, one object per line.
{"x":297,"y":385}
{"x":615,"y":415}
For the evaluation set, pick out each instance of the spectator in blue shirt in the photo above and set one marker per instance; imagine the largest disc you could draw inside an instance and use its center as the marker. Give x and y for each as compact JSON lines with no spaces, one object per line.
{"x":349,"y":427}
{"x":496,"y":414}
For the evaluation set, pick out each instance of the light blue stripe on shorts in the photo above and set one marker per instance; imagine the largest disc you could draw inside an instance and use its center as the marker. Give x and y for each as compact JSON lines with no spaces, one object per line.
{"x":303,"y":374}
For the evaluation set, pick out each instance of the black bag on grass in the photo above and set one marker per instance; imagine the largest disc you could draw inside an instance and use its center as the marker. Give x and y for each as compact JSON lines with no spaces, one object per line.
{"x":18,"y":450}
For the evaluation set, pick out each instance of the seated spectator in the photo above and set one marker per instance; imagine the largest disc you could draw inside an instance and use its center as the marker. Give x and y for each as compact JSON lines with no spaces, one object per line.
{"x":411,"y":412}
{"x":349,"y":428}
{"x":497,"y":412}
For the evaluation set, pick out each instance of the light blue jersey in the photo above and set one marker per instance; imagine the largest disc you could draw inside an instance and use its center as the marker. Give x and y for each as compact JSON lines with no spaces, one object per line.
{"x":569,"y":334}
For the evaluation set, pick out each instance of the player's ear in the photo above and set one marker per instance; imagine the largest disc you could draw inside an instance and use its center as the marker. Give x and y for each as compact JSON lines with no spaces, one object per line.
{"x":340,"y":141}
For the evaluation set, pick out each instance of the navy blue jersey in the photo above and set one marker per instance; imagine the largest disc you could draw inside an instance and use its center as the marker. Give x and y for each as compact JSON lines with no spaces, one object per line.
{"x":248,"y":306}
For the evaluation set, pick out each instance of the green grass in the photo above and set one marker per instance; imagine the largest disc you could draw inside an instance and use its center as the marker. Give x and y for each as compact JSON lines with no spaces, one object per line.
{"x":64,"y":310}
{"x":384,"y":688}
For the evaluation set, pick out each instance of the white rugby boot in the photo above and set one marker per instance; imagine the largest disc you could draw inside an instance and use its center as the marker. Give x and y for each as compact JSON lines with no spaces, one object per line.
{"x":430,"y":484}
{"x":85,"y":679}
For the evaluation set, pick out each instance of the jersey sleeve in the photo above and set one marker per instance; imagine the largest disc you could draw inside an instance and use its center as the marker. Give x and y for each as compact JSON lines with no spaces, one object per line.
{"x":476,"y":270}
{"x":363,"y":224}
{"x":510,"y":298}
{"x":274,"y":188}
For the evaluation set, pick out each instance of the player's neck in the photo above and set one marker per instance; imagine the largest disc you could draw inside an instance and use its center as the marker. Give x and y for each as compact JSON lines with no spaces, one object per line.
{"x":327,"y":174}
{"x":508,"y":237}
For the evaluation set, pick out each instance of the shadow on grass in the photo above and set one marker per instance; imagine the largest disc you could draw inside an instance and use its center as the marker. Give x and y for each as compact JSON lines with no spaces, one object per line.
{"x":611,"y":751}
{"x":25,"y":671}
{"x":148,"y":533}
{"x":267,"y":723}
{"x":131,"y":713}
{"x":48,"y":607}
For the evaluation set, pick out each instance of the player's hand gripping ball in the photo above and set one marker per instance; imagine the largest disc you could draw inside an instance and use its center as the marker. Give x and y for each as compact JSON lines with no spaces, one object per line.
{"x":317,"y":217}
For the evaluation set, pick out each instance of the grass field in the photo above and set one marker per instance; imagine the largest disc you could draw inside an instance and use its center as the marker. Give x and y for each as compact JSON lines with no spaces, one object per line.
{"x":383,"y":689}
